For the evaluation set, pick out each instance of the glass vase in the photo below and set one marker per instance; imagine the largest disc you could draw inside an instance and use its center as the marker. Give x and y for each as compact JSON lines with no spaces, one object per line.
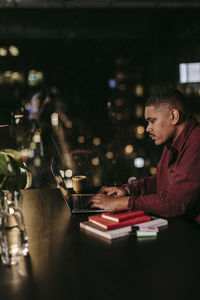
{"x":13,"y":233}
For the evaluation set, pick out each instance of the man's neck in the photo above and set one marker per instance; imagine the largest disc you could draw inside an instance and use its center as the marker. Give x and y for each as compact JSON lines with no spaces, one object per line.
{"x":179,"y":129}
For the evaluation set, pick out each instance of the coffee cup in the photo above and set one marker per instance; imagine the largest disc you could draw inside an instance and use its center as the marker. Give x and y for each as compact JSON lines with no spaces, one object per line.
{"x":79,"y":183}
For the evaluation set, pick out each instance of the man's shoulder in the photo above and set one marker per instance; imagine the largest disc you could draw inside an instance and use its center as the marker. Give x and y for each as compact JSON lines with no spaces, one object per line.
{"x":194,"y":136}
{"x":195,"y":132}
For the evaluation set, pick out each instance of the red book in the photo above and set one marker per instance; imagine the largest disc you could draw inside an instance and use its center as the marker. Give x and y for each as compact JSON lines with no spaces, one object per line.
{"x":122,"y":216}
{"x":109,"y":224}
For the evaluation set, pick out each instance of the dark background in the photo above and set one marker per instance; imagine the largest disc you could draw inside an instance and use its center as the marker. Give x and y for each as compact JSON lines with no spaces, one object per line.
{"x":79,"y":46}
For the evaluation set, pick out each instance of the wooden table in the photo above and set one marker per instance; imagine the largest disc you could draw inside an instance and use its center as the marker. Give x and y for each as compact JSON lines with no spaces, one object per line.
{"x":66,"y":263}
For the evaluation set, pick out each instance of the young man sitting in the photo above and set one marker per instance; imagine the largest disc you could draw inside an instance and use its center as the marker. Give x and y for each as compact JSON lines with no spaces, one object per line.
{"x":175,"y":189}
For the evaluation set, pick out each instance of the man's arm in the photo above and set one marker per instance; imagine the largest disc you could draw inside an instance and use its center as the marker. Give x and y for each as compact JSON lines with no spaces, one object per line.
{"x":143,"y":186}
{"x":118,"y":197}
{"x":183,"y":190}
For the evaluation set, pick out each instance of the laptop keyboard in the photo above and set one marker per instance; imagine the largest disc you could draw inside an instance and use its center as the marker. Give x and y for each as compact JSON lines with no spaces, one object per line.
{"x":80,"y":202}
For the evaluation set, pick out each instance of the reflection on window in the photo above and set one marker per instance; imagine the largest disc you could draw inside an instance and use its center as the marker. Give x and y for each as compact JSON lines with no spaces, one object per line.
{"x":35,"y":78}
{"x":68,"y":183}
{"x":189,"y":72}
{"x":129,"y":149}
{"x":68,"y":173}
{"x":9,"y":77}
{"x":120,"y":76}
{"x":118,"y":102}
{"x":95,"y":161}
{"x":54,"y":119}
{"x":96,"y":141}
{"x":3,"y":51}
{"x":139,"y":162}
{"x":112,"y":83}
{"x":140,"y":132}
{"x":14,"y":51}
{"x":81,"y":139}
{"x":139,"y":111}
{"x":11,"y":50}
{"x":37,"y":137}
{"x":153,"y":171}
{"x":139,"y":90}
{"x":109,"y":155}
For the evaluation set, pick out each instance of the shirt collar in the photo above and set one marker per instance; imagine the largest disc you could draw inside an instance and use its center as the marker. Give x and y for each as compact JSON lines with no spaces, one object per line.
{"x":179,"y":141}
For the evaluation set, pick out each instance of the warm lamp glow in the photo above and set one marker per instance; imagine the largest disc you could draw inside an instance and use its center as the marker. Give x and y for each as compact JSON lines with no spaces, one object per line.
{"x":96,"y":141}
{"x":81,"y":139}
{"x":129,"y":149}
{"x":13,"y":50}
{"x":153,"y":170}
{"x":3,"y":51}
{"x":54,"y":119}
{"x":139,"y":90}
{"x":109,"y":155}
{"x":95,"y":161}
{"x":68,"y":173}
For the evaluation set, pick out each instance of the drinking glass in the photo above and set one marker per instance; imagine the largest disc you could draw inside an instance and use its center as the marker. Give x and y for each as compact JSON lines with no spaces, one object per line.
{"x":13,"y":234}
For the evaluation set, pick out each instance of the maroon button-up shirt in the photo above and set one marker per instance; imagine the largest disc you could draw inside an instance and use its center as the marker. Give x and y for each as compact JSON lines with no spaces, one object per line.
{"x":175,"y":189}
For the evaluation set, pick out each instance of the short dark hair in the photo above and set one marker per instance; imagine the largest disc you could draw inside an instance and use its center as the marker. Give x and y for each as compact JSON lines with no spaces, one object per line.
{"x":169,"y":96}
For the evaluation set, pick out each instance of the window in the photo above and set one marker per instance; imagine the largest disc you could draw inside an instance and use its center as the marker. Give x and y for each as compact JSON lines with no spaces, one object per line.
{"x":189,"y":72}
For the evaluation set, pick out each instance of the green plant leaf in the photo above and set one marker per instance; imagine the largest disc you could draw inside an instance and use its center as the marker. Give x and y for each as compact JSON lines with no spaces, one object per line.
{"x":28,"y":179}
{"x":15,"y":154}
{"x":3,"y":169}
{"x":13,"y":180}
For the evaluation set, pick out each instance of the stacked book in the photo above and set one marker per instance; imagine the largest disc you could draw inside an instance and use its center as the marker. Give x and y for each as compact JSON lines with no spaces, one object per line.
{"x":120,"y":223}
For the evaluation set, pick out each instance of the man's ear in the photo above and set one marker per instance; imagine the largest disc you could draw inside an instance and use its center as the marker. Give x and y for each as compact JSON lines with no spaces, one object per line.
{"x":175,"y":116}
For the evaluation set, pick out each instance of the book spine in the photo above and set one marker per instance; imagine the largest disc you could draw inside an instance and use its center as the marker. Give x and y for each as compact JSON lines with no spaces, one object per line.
{"x":98,"y":224}
{"x":96,"y":231}
{"x":116,"y":218}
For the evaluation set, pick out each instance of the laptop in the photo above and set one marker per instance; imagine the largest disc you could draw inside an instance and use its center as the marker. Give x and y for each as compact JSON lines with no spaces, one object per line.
{"x":77,"y":203}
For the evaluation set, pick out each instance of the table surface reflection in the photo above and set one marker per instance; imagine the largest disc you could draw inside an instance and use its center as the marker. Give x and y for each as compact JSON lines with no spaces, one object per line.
{"x":66,"y":263}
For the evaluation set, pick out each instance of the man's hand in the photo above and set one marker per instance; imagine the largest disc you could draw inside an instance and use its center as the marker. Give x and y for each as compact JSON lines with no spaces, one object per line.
{"x":108,"y":202}
{"x":113,"y":191}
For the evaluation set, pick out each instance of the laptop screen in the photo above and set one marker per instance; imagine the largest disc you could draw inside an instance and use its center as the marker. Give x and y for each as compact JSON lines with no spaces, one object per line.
{"x":60,"y":181}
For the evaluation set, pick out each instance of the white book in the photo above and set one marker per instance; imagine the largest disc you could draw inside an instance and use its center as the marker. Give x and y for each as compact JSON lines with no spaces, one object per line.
{"x":108,"y":234}
{"x":157,"y":222}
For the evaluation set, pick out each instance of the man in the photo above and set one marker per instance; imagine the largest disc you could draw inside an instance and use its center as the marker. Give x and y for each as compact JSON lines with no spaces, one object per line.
{"x":175,"y":189}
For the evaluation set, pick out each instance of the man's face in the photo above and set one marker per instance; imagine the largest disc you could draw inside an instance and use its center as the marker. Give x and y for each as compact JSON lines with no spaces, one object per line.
{"x":160,"y":127}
